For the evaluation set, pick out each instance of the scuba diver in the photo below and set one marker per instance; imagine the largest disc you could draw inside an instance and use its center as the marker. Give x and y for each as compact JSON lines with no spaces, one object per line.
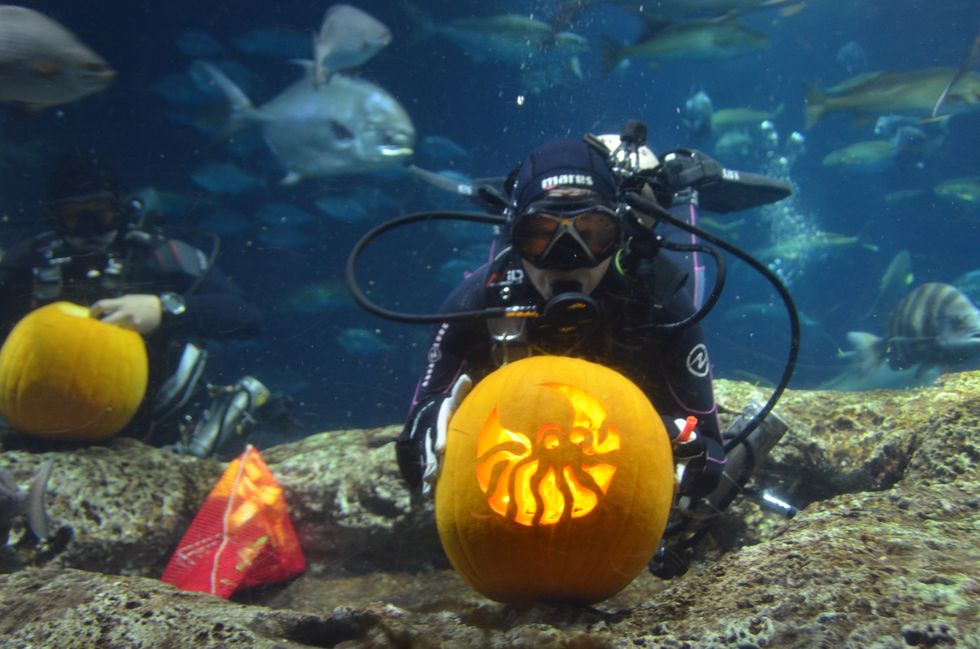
{"x":100,"y":252}
{"x":581,"y":272}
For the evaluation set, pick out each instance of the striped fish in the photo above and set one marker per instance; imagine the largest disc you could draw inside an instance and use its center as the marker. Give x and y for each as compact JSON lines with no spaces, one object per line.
{"x":934,"y":325}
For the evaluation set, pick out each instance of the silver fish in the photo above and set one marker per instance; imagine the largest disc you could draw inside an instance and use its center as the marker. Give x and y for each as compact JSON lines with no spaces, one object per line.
{"x":910,"y":92}
{"x":703,"y":39}
{"x":933,"y":326}
{"x":15,"y":502}
{"x":348,"y":38}
{"x":362,"y":342}
{"x":43,"y":64}
{"x":345,"y":126}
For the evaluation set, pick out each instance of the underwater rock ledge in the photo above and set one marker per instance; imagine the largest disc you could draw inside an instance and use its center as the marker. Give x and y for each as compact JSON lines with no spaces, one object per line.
{"x":883,"y":553}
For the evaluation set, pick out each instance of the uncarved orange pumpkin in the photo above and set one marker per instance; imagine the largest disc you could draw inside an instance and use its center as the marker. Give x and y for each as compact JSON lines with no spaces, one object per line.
{"x":66,"y":375}
{"x":556,"y":483}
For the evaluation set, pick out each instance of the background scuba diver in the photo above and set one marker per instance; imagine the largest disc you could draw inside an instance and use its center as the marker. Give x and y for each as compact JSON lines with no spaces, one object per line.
{"x":568,"y":252}
{"x":165,"y":289}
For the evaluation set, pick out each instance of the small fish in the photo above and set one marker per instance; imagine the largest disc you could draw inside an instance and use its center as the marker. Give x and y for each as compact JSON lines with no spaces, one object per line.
{"x":965,"y":189}
{"x":808,"y":243}
{"x":726,"y":119}
{"x":933,"y":326}
{"x":16,"y":502}
{"x":286,"y":214}
{"x":345,"y":209}
{"x":508,"y":39}
{"x":707,"y":39}
{"x":345,"y":126}
{"x":868,"y":156}
{"x":347,"y":39}
{"x":733,"y":145}
{"x":43,"y":64}
{"x":224,"y":178}
{"x":317,"y":297}
{"x":683,"y":9}
{"x":894,"y":92}
{"x":362,"y":342}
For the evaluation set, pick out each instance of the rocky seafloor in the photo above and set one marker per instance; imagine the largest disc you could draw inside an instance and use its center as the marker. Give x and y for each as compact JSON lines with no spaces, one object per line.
{"x":884,"y":554}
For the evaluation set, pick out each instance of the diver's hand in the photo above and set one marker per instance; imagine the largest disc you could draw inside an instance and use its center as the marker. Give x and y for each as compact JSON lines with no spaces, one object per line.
{"x":699,"y":460}
{"x":139,"y":312}
{"x":434,"y":445}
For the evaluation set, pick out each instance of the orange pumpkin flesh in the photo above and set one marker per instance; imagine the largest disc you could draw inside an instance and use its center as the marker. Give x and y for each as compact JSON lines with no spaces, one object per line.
{"x":65,"y":375}
{"x":556,"y":484}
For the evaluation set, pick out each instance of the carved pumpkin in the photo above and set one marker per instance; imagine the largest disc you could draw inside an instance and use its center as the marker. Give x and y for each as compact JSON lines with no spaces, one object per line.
{"x":556,"y":483}
{"x":65,"y":375}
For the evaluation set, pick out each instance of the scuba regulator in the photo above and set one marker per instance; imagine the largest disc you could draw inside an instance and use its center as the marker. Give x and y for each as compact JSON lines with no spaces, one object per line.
{"x":647,"y":187}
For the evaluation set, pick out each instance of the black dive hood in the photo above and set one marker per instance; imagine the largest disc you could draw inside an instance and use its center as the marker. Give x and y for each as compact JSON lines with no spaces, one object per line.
{"x":681,"y":170}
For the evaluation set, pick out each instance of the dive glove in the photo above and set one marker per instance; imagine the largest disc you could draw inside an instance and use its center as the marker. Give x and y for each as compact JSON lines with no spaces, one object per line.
{"x":434,"y":440}
{"x":699,"y":460}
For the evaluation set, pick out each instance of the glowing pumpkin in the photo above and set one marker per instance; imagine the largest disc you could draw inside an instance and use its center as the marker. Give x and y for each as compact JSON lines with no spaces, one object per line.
{"x":65,"y":375}
{"x":556,"y":483}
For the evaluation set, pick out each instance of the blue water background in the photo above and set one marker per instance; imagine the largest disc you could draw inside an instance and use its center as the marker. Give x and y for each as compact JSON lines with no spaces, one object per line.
{"x":477,"y":106}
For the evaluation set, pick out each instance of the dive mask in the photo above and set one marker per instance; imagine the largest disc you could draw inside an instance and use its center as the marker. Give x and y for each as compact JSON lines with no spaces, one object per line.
{"x":86,"y":216}
{"x":565,"y":234}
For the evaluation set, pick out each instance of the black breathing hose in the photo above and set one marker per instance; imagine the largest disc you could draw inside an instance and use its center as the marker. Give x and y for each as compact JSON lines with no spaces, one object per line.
{"x":654,"y":210}
{"x":645,"y":267}
{"x":412,"y":318}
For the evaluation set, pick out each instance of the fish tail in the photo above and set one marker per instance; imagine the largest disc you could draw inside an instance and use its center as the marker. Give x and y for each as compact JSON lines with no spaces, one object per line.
{"x":870,"y":349}
{"x":816,"y":104}
{"x":36,"y":515}
{"x":242,"y":110}
{"x":319,"y":72}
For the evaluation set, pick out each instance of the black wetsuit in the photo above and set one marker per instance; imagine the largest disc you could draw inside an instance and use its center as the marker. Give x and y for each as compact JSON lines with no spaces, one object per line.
{"x":671,"y":367}
{"x":46,"y":269}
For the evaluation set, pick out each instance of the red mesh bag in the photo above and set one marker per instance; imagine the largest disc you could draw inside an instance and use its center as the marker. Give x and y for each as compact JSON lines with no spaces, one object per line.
{"x":241,"y":536}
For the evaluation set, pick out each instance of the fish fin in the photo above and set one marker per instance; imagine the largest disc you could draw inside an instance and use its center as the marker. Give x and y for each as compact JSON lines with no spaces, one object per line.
{"x":576,"y":66}
{"x":36,"y":515}
{"x":869,"y":348}
{"x":319,"y":74}
{"x":291,"y":178}
{"x":816,"y":104}
{"x":242,"y":110}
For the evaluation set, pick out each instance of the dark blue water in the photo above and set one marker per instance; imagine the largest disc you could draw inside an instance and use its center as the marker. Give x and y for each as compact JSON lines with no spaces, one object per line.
{"x":476,"y":106}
